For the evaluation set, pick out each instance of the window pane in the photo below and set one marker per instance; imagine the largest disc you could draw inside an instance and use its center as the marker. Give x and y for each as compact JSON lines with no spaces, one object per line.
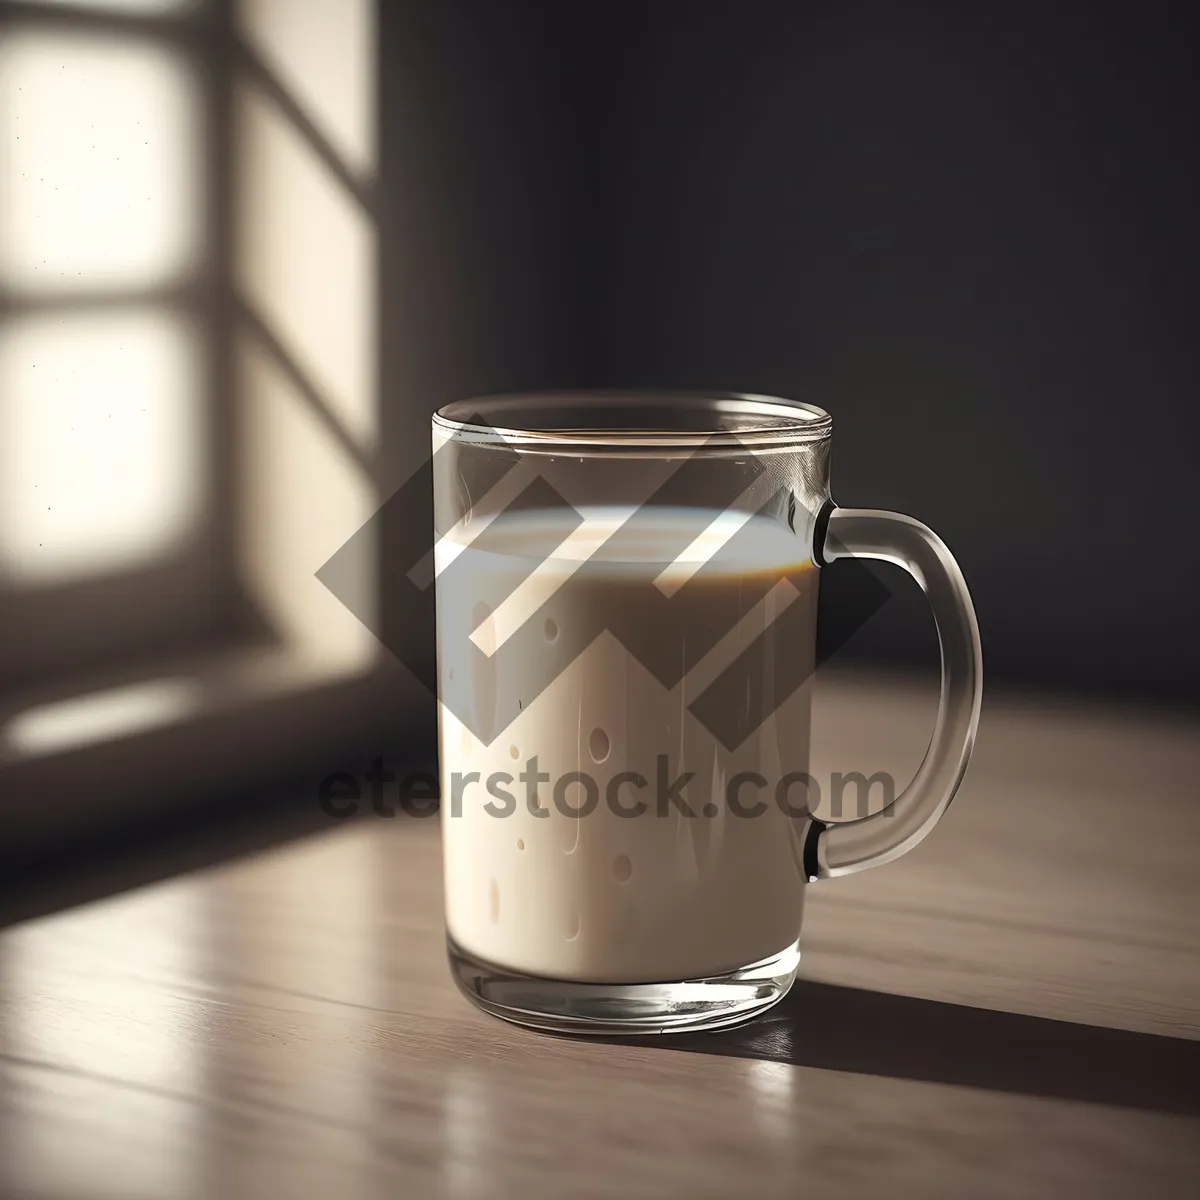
{"x":101,"y":442}
{"x":99,"y":147}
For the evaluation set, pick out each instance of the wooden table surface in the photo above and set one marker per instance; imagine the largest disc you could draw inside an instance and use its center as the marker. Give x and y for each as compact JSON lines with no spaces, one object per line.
{"x":1012,"y":1010}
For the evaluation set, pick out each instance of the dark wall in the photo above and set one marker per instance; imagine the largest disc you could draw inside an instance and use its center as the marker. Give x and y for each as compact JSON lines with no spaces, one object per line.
{"x":482,"y":213}
{"x":972,"y":236}
{"x":975,"y":239}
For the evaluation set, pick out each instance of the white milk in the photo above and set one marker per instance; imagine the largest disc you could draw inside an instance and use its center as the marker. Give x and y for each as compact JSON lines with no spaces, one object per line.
{"x":606,"y":897}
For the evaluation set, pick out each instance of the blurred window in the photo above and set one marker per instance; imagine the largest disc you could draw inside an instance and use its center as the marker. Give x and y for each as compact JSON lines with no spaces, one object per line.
{"x":189,"y":425}
{"x":105,"y":332}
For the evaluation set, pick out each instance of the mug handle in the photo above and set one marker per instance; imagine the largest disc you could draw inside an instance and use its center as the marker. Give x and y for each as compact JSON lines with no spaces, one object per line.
{"x":849,"y":846}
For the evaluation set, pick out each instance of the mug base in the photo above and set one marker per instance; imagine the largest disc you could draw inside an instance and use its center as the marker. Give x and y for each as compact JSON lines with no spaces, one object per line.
{"x":622,"y":1009}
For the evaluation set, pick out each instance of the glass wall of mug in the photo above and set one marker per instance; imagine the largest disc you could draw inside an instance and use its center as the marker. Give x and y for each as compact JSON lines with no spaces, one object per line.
{"x":626,"y":605}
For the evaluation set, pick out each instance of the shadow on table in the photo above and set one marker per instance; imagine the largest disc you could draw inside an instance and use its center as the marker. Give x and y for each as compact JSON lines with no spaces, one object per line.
{"x":870,"y":1033}
{"x":141,"y":853}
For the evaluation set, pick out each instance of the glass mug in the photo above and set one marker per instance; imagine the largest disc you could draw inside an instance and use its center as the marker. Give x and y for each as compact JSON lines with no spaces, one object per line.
{"x":626,"y":627}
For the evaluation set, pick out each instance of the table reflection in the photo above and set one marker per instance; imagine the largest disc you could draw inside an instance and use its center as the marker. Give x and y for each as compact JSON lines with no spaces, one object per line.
{"x":97,"y":997}
{"x":294,"y":943}
{"x":214,"y":1035}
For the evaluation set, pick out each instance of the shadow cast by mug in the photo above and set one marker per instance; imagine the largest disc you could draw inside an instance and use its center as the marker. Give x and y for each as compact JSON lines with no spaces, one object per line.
{"x":870,"y":1033}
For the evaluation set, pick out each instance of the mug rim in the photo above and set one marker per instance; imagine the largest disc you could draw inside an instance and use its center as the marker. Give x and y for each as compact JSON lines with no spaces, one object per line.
{"x":568,"y":421}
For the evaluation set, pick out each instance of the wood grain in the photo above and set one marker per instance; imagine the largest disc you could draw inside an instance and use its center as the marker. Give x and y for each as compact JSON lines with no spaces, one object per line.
{"x":1009,"y":1011}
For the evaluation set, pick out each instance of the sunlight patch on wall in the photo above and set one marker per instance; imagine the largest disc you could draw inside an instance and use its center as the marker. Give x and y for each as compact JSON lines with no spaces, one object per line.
{"x":304,"y":497}
{"x":140,"y":7}
{"x":101,"y":716}
{"x":98,"y":163}
{"x":306,"y":250}
{"x":101,"y":442}
{"x":323,"y":52}
{"x":306,"y":259}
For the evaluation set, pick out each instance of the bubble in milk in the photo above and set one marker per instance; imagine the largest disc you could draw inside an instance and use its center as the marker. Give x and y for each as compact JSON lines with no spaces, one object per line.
{"x":599,"y":745}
